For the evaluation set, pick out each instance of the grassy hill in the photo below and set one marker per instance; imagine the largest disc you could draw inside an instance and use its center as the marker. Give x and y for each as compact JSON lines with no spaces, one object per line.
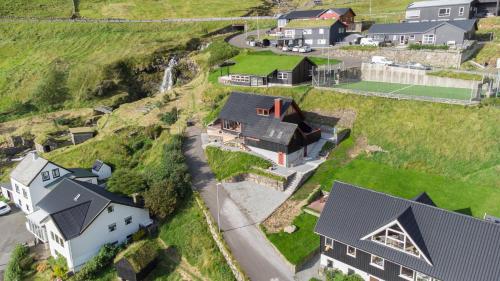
{"x":130,"y":9}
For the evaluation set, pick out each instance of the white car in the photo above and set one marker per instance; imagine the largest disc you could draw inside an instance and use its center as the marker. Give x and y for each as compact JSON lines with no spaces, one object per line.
{"x":4,"y":208}
{"x":381,"y":60}
{"x":369,"y":42}
{"x":305,"y":49}
{"x":295,"y":48}
{"x":286,"y":48}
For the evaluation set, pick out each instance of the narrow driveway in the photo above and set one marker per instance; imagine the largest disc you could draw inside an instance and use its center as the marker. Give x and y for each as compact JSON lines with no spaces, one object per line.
{"x":256,"y":256}
{"x":240,"y":42}
{"x":12,"y":231}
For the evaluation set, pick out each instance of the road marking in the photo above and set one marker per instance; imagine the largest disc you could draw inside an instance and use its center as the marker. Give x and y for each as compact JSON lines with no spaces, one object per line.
{"x":404,"y":88}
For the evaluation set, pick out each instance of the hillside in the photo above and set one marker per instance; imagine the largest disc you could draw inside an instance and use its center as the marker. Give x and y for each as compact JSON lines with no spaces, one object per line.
{"x":130,"y":9}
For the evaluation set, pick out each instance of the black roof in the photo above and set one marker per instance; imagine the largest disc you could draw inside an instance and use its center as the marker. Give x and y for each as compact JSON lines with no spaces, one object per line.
{"x":425,"y":199}
{"x":459,"y":247}
{"x":241,"y":107}
{"x":341,"y":11}
{"x":73,"y":205}
{"x":418,"y":27}
{"x":307,"y":14}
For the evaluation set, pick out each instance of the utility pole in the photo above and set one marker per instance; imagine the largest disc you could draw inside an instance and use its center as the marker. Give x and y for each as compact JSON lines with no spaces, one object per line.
{"x":218,"y":207}
{"x":258,"y":28}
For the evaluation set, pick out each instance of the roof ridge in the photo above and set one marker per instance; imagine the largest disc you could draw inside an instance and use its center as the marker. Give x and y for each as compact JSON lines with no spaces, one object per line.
{"x":86,"y":188}
{"x":74,"y":206}
{"x":418,"y":203}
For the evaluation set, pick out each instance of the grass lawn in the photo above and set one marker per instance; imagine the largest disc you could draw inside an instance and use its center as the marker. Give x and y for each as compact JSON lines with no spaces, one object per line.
{"x":130,"y":9}
{"x":456,"y":75}
{"x":454,"y":195}
{"x":298,"y":245}
{"x":411,"y":90}
{"x":255,"y":63}
{"x":225,"y":164}
{"x":490,"y":50}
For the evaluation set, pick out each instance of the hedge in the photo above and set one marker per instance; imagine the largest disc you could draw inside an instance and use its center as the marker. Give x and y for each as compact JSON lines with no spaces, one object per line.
{"x":97,"y":264}
{"x":14,"y":270}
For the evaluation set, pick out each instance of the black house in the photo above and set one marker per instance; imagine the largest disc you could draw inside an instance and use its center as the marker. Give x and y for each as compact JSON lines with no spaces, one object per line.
{"x":382,"y":237}
{"x":274,"y":127}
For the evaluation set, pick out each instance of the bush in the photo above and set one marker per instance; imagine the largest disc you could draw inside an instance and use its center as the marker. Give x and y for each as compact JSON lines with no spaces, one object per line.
{"x":427,"y":47}
{"x":59,"y":267}
{"x":337,"y":275}
{"x":220,"y":51}
{"x":51,"y":92}
{"x":193,"y":44}
{"x":169,"y":118}
{"x":14,"y":270}
{"x":153,"y":131}
{"x":161,"y":199}
{"x":314,"y":195}
{"x":97,"y":264}
{"x":126,"y":182}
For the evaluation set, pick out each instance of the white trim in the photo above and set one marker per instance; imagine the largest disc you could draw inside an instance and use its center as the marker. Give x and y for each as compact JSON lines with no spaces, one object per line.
{"x":404,"y":276}
{"x":347,"y":251}
{"x":461,"y":10}
{"x":446,"y":14}
{"x":376,"y":265}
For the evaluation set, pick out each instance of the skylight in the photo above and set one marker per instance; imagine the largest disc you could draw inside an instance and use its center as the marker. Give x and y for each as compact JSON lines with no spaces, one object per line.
{"x":76,"y":197}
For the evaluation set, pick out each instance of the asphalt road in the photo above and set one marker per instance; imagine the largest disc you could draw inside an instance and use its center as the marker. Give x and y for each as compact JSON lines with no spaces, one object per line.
{"x":256,"y":256}
{"x":12,"y":231}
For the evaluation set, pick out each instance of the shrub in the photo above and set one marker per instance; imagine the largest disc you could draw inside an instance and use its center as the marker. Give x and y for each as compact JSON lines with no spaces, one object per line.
{"x":97,"y":264}
{"x":14,"y":270}
{"x":59,"y":267}
{"x":126,"y":181}
{"x":220,"y":51}
{"x":314,"y":195}
{"x":193,"y":44}
{"x":42,"y":267}
{"x":161,"y":199}
{"x":427,"y":47}
{"x":337,"y":275}
{"x":51,"y":92}
{"x":170,"y":118}
{"x":139,"y":235}
{"x":153,"y":131}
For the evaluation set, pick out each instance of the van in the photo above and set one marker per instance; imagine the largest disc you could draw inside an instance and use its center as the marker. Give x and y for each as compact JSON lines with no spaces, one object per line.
{"x":381,"y":60}
{"x":369,"y":42}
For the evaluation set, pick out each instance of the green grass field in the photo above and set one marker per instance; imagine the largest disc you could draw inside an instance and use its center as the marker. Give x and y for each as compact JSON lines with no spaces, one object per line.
{"x":410,"y":90}
{"x":225,"y":164}
{"x":130,"y":9}
{"x":300,"y":244}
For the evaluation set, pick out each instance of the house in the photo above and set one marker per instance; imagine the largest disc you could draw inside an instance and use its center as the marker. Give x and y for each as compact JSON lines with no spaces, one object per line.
{"x":344,"y":15}
{"x":440,"y":10}
{"x":6,"y":190}
{"x":268,"y":70}
{"x":486,"y":8}
{"x":34,"y":177}
{"x":81,"y":134}
{"x":101,"y":169}
{"x":427,"y":33}
{"x":77,"y":218}
{"x":273,"y":127}
{"x":316,"y":33}
{"x":382,"y":237}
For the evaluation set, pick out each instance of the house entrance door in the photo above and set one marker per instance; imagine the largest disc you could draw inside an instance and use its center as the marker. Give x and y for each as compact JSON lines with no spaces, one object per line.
{"x":281,"y":158}
{"x":401,"y":39}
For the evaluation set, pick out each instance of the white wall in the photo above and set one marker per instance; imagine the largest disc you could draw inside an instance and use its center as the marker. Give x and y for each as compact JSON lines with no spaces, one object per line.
{"x":343,"y":267}
{"x":19,"y":199}
{"x":104,"y":172}
{"x":54,"y":246}
{"x":271,"y":155}
{"x":92,"y":239}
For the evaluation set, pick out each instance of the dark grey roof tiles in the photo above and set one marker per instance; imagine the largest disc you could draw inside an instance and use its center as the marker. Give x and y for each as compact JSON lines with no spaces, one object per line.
{"x":425,"y":199}
{"x":417,"y":27}
{"x":307,"y":14}
{"x":73,"y":205}
{"x":272,"y":130}
{"x":82,"y":173}
{"x":461,"y":248}
{"x":26,"y":171}
{"x":341,"y":11}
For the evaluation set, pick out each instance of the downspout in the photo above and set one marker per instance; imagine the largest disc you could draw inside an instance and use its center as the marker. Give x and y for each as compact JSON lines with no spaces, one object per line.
{"x":71,"y":254}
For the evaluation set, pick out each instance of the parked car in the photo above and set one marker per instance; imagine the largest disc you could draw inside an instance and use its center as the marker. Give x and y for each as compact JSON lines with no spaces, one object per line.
{"x":295,"y":48}
{"x":305,"y":49}
{"x":286,"y":48}
{"x":416,"y":65}
{"x":369,"y":42}
{"x":4,"y":208}
{"x":381,"y":60}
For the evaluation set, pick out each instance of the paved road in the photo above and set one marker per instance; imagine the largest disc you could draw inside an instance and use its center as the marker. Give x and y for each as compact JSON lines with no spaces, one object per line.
{"x":257,"y":257}
{"x":12,"y":231}
{"x":240,"y":42}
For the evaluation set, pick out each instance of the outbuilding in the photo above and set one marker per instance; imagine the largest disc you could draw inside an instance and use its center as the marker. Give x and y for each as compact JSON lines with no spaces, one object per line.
{"x":135,"y":263}
{"x":81,"y":134}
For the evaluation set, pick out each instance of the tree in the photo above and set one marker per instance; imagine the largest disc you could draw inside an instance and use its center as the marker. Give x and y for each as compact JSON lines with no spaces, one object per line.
{"x":161,"y":199}
{"x":127,"y":182}
{"x":52,"y":91}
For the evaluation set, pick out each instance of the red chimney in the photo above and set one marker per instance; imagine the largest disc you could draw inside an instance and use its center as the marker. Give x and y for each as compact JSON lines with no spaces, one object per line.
{"x":277,"y":108}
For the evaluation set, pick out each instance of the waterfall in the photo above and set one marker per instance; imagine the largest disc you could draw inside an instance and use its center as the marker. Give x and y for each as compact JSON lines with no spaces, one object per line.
{"x":168,"y":80}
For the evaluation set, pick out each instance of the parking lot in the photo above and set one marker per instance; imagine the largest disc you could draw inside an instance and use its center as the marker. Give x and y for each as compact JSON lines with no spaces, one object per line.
{"x":12,"y":231}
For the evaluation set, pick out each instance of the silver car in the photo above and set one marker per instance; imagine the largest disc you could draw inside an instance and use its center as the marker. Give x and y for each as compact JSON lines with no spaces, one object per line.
{"x":4,"y":208}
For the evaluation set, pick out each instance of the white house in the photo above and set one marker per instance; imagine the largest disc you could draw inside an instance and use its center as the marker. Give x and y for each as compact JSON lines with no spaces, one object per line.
{"x":77,"y":218}
{"x":34,"y":177}
{"x":101,"y":169}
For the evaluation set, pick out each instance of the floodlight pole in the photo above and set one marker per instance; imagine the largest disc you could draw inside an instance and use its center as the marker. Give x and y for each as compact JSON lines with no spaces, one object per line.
{"x":218,"y":207}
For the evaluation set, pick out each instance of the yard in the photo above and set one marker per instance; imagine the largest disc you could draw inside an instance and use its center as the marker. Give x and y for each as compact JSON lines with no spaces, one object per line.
{"x":300,"y":244}
{"x":410,"y":90}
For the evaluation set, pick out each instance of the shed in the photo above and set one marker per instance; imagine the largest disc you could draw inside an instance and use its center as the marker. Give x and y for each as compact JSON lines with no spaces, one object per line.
{"x":101,"y":169}
{"x":81,"y":134}
{"x":101,"y":110}
{"x":138,"y":260}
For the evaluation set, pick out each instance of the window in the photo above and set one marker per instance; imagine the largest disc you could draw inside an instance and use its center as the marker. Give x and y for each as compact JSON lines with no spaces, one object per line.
{"x":329,"y":263}
{"x":461,"y":11}
{"x":308,"y":41}
{"x":17,"y":188}
{"x":321,"y":41}
{"x":112,"y":227}
{"x":289,"y":33}
{"x":52,"y":235}
{"x":25,"y":194}
{"x":444,"y":12}
{"x":412,"y":37}
{"x":55,"y":173}
{"x":422,"y":277}
{"x":27,"y":208}
{"x":240,"y":78}
{"x":262,"y":112}
{"x":328,"y":242}
{"x":231,"y":125}
{"x":341,"y":30}
{"x":428,"y":39}
{"x":308,"y":31}
{"x":111,"y":209}
{"x":45,"y":176}
{"x":395,"y":237}
{"x":282,"y":75}
{"x":377,"y":261}
{"x":128,"y":220}
{"x":406,"y":273}
{"x":321,"y":31}
{"x":351,"y":251}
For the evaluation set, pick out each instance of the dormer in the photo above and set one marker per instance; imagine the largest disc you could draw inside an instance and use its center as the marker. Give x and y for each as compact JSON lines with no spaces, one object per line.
{"x":401,"y":234}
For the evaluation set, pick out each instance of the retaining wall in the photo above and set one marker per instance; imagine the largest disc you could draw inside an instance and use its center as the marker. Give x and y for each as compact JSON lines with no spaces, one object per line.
{"x":392,"y":74}
{"x":259,"y":179}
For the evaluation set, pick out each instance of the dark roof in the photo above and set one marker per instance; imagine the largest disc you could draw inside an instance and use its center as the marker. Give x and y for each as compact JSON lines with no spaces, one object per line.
{"x":241,"y":107}
{"x":82,"y":173}
{"x":73,"y":205}
{"x":6,"y":185}
{"x":307,"y":14}
{"x":425,"y":199}
{"x":27,"y":170}
{"x":460,"y":247}
{"x":97,"y":165}
{"x":341,"y":11}
{"x":418,"y":27}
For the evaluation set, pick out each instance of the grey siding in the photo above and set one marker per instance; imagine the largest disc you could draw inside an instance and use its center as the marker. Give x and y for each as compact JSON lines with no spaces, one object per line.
{"x":299,"y":74}
{"x":431,"y":13}
{"x":447,"y":33}
{"x":362,"y":261}
{"x":442,"y":34}
{"x":335,"y":34}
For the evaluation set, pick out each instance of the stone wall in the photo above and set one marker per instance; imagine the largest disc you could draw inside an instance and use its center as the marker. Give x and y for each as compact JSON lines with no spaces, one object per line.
{"x":438,"y":58}
{"x":260,"y":180}
{"x":392,"y":74}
